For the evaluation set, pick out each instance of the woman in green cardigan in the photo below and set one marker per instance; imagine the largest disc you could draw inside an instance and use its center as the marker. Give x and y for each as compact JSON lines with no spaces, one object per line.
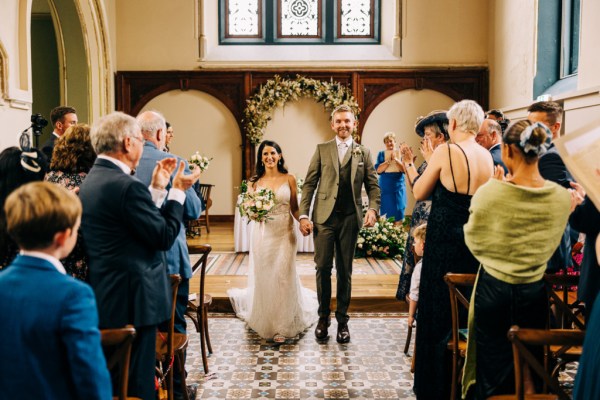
{"x":514,"y":227}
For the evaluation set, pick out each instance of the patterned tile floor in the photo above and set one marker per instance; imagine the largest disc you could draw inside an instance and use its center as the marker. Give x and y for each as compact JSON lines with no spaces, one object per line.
{"x":244,"y":366}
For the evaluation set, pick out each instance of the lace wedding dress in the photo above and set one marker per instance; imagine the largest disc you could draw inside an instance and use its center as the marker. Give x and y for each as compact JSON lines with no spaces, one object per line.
{"x":274,"y":301}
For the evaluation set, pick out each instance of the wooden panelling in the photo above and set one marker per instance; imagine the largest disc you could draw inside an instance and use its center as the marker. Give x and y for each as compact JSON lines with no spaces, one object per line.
{"x":370,"y":87}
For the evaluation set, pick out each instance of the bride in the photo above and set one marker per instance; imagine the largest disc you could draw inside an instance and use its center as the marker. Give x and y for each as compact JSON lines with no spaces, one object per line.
{"x":274,"y":304}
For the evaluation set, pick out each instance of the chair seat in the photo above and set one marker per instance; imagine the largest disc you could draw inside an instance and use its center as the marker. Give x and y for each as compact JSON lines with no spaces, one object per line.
{"x":193,"y":304}
{"x":180,"y":341}
{"x":526,"y":397}
{"x":462,"y":347}
{"x":572,"y":352}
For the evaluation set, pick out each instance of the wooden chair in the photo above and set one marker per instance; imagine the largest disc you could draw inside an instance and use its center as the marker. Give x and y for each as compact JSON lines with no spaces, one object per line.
{"x":170,"y":345}
{"x":568,"y":315}
{"x":457,"y":345}
{"x":197,"y":310}
{"x":194,"y":228}
{"x":520,"y":339}
{"x":116,"y":344}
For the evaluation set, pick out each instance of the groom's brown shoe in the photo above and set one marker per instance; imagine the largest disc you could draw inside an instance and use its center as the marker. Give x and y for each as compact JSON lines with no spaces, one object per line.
{"x":321,"y":331}
{"x":343,"y":334}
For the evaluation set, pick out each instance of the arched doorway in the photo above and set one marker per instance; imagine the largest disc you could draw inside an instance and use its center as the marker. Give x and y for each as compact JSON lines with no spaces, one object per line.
{"x":70,"y":58}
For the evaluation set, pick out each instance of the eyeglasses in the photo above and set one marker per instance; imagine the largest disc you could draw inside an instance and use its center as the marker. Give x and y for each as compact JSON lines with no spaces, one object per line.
{"x":141,"y":139}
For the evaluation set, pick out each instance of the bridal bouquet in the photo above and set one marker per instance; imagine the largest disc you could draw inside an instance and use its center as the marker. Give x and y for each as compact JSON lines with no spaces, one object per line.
{"x":200,"y":161}
{"x":256,"y":205}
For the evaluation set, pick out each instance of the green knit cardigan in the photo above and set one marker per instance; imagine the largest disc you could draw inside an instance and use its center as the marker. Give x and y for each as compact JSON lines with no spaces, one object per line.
{"x":513,"y":231}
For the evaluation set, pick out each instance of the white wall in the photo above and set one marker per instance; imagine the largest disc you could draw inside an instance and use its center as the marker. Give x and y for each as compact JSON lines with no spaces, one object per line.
{"x":298,"y":128}
{"x":202,"y":123}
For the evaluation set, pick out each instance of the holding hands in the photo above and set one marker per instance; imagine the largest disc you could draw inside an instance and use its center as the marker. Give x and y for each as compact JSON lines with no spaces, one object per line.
{"x":306,"y":226}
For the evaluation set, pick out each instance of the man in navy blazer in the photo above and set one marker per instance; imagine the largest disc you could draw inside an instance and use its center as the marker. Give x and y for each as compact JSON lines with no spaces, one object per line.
{"x":490,"y":137}
{"x":154,"y":130}
{"x":49,"y":341}
{"x":127,"y":228}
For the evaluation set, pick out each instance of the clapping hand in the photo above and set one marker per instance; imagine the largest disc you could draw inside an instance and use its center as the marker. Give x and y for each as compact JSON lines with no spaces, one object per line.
{"x":406,"y":154}
{"x":499,"y":173}
{"x":426,"y":148}
{"x":162,"y":173}
{"x":182,"y":181}
{"x":577,"y":195}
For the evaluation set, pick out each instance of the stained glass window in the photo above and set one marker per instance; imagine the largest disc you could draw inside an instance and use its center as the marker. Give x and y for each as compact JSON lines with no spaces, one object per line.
{"x":356,"y":18}
{"x":243,"y":18}
{"x":299,"y":18}
{"x":299,"y":21}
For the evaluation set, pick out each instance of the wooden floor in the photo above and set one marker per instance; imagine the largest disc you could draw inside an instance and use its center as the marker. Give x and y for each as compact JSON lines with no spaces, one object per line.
{"x":370,"y":293}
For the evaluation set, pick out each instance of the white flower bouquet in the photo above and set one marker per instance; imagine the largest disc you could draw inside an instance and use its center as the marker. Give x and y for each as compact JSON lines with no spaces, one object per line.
{"x":200,"y":161}
{"x":257,"y":205}
{"x":384,"y":240}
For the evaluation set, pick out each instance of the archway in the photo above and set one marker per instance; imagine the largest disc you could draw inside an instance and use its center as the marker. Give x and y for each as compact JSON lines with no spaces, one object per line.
{"x":202,"y":123}
{"x":73,"y":67}
{"x":398,"y":113}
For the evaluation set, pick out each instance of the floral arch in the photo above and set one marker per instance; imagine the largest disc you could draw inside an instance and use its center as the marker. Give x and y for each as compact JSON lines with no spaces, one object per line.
{"x":277,"y":92}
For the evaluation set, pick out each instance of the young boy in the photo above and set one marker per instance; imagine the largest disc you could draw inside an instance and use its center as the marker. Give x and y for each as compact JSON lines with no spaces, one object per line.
{"x":49,"y":341}
{"x":413,"y":294}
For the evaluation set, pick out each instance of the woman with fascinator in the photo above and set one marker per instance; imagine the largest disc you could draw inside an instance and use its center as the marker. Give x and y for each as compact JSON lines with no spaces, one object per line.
{"x":433,"y":128}
{"x":513,"y":228}
{"x":275,"y":305}
{"x":17,"y":167}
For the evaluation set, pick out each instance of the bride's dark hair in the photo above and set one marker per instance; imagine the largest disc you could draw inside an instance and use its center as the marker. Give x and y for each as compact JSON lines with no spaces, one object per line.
{"x":260,"y":166}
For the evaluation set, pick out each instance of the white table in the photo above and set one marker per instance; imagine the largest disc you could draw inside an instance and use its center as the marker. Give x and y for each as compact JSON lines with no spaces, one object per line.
{"x":242,"y":235}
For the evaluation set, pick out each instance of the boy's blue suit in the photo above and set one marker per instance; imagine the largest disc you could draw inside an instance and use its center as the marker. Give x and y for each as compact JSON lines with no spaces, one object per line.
{"x":49,"y":341}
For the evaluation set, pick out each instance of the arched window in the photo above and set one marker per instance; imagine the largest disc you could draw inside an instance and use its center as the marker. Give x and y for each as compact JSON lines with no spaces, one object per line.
{"x":284,"y":22}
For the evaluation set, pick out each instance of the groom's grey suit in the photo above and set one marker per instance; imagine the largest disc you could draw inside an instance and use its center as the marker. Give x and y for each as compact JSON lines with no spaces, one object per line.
{"x":337,"y":216}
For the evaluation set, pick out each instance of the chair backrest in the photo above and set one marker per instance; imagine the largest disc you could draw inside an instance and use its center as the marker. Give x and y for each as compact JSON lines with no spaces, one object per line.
{"x":521,"y":338}
{"x":570,"y":313}
{"x":116,"y":344}
{"x":204,"y":192}
{"x":175,"y":281}
{"x":456,"y":285}
{"x":200,"y":265}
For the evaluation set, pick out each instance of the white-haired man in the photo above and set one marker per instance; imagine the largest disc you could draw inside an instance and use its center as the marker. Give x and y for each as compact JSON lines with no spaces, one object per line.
{"x":125,"y":230}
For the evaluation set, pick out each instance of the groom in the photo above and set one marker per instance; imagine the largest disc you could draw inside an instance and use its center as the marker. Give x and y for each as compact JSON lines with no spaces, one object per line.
{"x":335,"y":176}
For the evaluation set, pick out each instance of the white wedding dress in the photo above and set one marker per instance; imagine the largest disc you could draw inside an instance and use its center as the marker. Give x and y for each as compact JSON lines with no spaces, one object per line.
{"x":274,"y":301}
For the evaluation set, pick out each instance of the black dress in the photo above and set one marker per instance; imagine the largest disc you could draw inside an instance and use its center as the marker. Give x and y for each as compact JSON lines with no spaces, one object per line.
{"x":445,"y":251}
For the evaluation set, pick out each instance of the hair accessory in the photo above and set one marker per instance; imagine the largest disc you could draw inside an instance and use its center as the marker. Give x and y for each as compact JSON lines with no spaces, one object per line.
{"x":526,"y":136}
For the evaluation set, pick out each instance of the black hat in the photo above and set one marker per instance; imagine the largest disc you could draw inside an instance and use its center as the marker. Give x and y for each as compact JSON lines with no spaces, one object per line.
{"x":435,"y":117}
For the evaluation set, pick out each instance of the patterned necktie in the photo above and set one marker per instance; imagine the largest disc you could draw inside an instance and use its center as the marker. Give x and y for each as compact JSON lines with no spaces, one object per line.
{"x":342,"y":148}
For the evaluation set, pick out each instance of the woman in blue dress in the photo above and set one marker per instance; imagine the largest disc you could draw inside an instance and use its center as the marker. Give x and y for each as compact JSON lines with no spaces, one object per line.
{"x":391,"y":180}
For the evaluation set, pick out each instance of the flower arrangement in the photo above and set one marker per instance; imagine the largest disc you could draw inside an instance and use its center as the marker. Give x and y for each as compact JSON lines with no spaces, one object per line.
{"x":383,"y":240}
{"x":200,"y":161}
{"x":299,"y":184}
{"x":256,"y":205}
{"x":276,"y":92}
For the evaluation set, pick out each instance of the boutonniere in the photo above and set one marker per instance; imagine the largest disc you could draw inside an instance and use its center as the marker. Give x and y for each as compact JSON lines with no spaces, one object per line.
{"x":356,"y":151}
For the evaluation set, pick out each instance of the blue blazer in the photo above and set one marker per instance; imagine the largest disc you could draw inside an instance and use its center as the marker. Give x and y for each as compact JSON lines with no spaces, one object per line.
{"x":496,"y":153}
{"x":178,"y":260}
{"x":49,"y":341}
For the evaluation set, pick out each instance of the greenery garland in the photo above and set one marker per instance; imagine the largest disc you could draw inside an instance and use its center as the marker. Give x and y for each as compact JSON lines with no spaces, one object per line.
{"x":276,"y":92}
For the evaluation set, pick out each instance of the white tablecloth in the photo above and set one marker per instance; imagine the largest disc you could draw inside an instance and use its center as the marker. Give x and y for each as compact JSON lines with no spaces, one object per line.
{"x":242,"y":235}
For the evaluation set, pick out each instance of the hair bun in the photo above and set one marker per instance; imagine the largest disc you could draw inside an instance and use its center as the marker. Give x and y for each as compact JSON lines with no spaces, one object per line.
{"x":535,"y":139}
